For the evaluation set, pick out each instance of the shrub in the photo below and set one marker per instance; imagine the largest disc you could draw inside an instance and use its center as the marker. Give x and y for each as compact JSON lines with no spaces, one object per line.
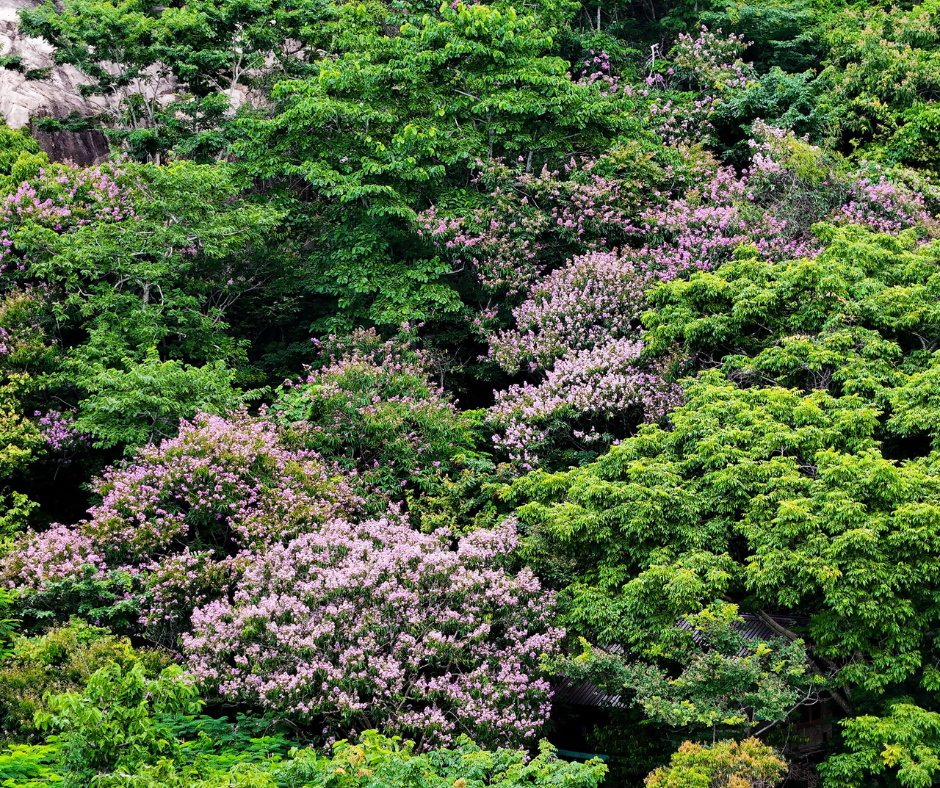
{"x":380,"y":625}
{"x":379,"y":762}
{"x":144,"y":402}
{"x":728,"y":764}
{"x":62,"y":660}
{"x":178,"y":516}
{"x":373,"y":408}
{"x":115,"y":722}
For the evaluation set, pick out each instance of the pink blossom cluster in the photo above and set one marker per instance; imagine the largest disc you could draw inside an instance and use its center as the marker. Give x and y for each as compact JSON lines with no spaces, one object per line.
{"x":772,"y":147}
{"x":70,"y":195}
{"x":690,"y":224}
{"x":596,"y":71}
{"x":881,"y":205}
{"x":712,"y":60}
{"x":22,"y":338}
{"x":596,"y":64}
{"x":224,"y":482}
{"x":176,"y":584}
{"x":59,"y":431}
{"x":499,"y":260}
{"x":504,"y":255}
{"x":7,"y":342}
{"x":594,"y":298}
{"x":294,"y":606}
{"x":711,"y":64}
{"x":586,"y":207}
{"x":55,"y":554}
{"x":694,"y":218}
{"x":572,"y":320}
{"x":787,"y":171}
{"x":701,"y":229}
{"x":390,"y":366}
{"x":378,"y":625}
{"x":509,"y":247}
{"x":683,"y":122}
{"x":602,"y":383}
{"x":14,"y":338}
{"x":783,"y":165}
{"x":66,"y":196}
{"x":696,"y":231}
{"x":222,"y":486}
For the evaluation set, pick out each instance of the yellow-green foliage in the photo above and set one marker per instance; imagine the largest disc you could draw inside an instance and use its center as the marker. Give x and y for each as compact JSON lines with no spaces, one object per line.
{"x":20,"y":440}
{"x":62,"y":660}
{"x":22,"y":338}
{"x":879,"y":81}
{"x":727,"y":764}
{"x":20,"y":157}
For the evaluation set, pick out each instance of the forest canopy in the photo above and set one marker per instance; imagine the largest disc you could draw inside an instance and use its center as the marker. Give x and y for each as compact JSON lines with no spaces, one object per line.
{"x":483,"y":394}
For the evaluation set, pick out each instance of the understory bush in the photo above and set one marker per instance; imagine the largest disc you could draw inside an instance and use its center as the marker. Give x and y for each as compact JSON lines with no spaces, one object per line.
{"x":377,"y":624}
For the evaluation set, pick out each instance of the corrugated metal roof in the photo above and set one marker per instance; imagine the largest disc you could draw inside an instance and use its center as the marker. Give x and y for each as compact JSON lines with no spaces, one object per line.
{"x":585,"y":695}
{"x":750,"y":627}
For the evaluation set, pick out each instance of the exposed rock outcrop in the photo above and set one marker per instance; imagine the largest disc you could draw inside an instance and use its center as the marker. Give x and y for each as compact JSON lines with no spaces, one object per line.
{"x":22,"y":99}
{"x":58,"y":95}
{"x":84,"y":148}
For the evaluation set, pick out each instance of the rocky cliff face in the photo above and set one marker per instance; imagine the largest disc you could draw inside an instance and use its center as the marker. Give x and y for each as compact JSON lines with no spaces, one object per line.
{"x":22,"y":99}
{"x":57,"y":96}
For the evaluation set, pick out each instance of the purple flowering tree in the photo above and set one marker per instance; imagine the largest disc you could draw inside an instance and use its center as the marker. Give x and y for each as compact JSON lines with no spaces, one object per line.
{"x":373,"y":407}
{"x":595,"y":298}
{"x":882,"y":205}
{"x":181,"y":514}
{"x":574,"y":327}
{"x":594,"y":388}
{"x":247,"y":552}
{"x":711,"y":60}
{"x":378,"y":625}
{"x":64,"y":197}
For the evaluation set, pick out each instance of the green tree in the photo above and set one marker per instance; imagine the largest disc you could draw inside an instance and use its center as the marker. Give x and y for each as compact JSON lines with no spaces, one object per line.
{"x":377,"y":760}
{"x":134,"y":271}
{"x":21,"y":444}
{"x":881,"y":81}
{"x":852,"y":321}
{"x":143,"y":403}
{"x":159,"y":267}
{"x":60,"y":660}
{"x":721,"y":680}
{"x":8,"y":626}
{"x":178,"y":72}
{"x":28,"y":766}
{"x":374,"y":408}
{"x":396,"y":122}
{"x":776,"y":486}
{"x":728,"y":764}
{"x":739,"y":498}
{"x":901,"y":748}
{"x":20,"y":157}
{"x":20,"y":440}
{"x":114,"y":723}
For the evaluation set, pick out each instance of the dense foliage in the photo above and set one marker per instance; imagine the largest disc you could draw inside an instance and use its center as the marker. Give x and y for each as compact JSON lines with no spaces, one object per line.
{"x":409,"y":370}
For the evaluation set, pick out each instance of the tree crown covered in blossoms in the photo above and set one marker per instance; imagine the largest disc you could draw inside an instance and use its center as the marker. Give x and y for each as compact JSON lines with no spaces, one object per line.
{"x":368,"y":624}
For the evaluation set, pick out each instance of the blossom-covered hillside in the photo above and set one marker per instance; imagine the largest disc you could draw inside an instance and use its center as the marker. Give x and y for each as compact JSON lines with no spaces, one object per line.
{"x":483,"y":394}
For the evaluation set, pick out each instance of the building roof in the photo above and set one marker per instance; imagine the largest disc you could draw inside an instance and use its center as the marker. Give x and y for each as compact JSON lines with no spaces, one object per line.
{"x":750,"y":627}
